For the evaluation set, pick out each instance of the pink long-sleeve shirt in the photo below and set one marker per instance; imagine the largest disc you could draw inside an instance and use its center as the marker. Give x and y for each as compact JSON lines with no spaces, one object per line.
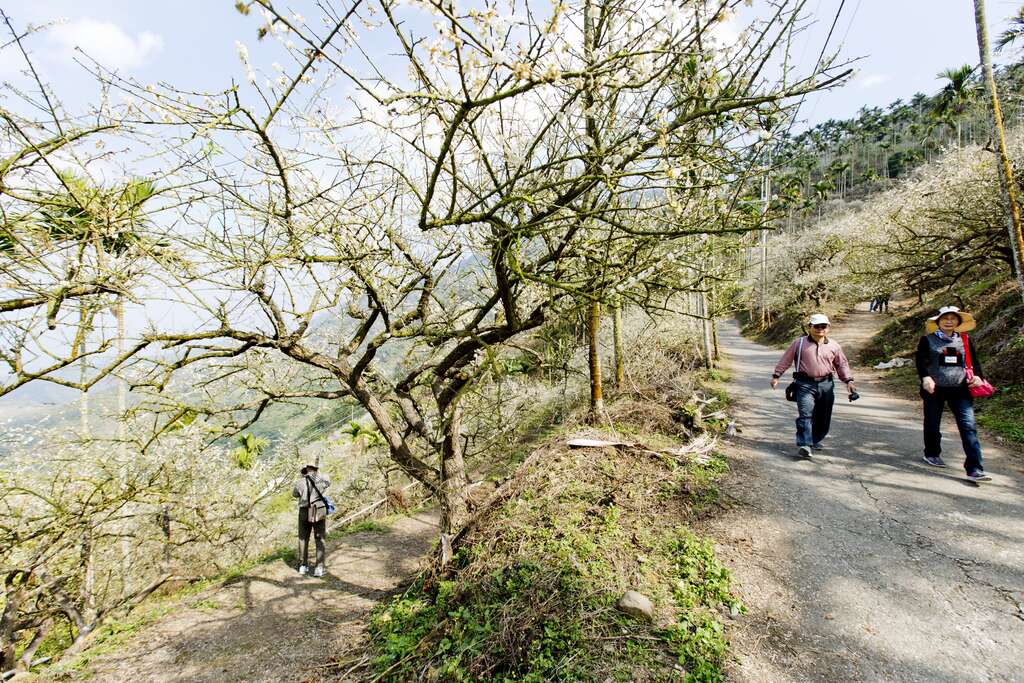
{"x":816,"y":360}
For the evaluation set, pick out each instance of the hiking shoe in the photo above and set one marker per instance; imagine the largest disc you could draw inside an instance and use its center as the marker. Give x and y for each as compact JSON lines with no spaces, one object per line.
{"x":934,"y":461}
{"x":978,"y":475}
{"x":319,"y":571}
{"x":804,"y":452}
{"x":303,"y":570}
{"x":818,"y":446}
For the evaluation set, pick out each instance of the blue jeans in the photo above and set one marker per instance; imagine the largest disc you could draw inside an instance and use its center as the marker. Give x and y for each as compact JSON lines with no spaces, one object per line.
{"x":962,"y":406}
{"x":814,"y":401}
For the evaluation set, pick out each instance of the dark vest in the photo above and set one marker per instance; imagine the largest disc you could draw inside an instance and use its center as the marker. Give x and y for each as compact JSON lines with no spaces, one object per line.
{"x":946,"y":373}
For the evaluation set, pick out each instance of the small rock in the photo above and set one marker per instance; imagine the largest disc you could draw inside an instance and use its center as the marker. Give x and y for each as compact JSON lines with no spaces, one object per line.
{"x":637,"y":605}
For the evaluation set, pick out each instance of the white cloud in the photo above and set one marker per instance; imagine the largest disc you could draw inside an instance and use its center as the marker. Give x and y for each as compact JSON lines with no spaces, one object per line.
{"x":106,"y":42}
{"x":871,"y":80}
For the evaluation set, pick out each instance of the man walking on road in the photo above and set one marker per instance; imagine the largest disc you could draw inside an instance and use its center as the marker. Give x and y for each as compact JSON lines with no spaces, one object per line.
{"x":817,"y":359}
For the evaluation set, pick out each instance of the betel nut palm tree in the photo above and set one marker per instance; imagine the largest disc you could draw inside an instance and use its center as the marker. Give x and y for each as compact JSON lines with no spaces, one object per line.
{"x":959,"y":93}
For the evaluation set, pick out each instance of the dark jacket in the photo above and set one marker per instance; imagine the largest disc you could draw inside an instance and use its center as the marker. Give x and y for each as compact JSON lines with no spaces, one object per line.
{"x":945,"y":362}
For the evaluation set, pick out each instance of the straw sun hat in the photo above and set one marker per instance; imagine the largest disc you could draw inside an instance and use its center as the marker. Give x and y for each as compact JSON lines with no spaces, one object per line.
{"x":966,"y":320}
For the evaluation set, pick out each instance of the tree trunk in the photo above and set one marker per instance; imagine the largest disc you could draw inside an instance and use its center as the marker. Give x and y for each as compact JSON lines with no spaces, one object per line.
{"x":397,"y":446}
{"x":620,"y":370}
{"x":89,"y":581}
{"x":597,"y":413}
{"x":705,"y":322}
{"x":25,"y":661}
{"x":14,"y":596}
{"x":453,"y":479}
{"x":122,"y":437}
{"x":1006,"y":181}
{"x":165,"y":528}
{"x":764,"y":278}
{"x":766,"y":189}
{"x":83,"y":376}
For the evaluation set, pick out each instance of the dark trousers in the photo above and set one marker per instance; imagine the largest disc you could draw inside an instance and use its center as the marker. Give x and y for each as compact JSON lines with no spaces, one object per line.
{"x":962,"y":406}
{"x":814,"y":400}
{"x":319,"y":530}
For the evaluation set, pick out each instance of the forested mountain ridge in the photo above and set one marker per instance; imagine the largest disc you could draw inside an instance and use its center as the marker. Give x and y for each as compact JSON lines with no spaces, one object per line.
{"x":852,"y":158}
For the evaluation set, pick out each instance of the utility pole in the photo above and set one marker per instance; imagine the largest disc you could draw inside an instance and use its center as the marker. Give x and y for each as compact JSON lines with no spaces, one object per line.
{"x":766,"y":198}
{"x":1005,"y":169}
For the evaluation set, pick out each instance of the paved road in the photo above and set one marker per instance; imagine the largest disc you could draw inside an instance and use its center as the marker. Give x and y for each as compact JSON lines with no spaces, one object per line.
{"x":865,"y":564}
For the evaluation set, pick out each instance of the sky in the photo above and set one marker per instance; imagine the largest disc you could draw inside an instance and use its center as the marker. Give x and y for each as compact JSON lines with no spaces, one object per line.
{"x":903,"y":45}
{"x":900,"y":44}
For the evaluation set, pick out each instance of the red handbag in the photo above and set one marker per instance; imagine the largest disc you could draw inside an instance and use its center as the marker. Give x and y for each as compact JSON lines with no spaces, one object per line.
{"x":982,"y":390}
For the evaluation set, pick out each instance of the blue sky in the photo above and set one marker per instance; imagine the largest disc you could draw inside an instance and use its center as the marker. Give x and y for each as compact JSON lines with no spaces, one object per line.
{"x":191,"y":43}
{"x":904,"y":44}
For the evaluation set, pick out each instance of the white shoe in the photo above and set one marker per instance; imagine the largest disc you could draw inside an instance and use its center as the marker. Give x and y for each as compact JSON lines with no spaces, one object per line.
{"x":319,"y":571}
{"x":303,"y":570}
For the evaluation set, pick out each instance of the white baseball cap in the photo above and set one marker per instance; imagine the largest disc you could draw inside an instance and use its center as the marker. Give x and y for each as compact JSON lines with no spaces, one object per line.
{"x":819,"y":319}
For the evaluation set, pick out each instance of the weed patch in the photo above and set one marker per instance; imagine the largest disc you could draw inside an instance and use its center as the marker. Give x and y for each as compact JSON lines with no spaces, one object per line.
{"x":532,"y":591}
{"x":1004,"y":413}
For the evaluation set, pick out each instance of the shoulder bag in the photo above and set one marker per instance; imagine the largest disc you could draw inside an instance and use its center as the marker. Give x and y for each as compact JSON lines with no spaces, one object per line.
{"x":327,"y":501}
{"x":982,"y":390}
{"x":791,"y":387}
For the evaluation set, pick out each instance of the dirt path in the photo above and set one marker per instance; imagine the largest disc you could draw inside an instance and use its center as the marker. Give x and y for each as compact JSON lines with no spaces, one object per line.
{"x":272,"y":624}
{"x":865,"y":564}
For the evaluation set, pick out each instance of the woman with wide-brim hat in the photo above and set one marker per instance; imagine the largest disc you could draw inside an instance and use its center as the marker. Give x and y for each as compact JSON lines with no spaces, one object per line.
{"x":941,"y":365}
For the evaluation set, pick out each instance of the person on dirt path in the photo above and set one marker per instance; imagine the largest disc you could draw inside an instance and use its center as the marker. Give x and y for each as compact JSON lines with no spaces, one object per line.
{"x":816,"y":359}
{"x":309,"y":490}
{"x":941,"y":365}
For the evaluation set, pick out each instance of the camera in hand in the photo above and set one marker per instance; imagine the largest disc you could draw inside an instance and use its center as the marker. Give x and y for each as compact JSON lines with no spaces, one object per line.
{"x":854,"y":396}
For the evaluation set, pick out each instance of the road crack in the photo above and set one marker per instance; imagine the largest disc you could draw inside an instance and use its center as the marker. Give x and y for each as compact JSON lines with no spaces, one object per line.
{"x":925,"y":543}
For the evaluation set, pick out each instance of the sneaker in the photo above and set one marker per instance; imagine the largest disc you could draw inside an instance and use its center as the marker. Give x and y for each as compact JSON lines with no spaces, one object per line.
{"x":934,"y":461}
{"x":978,"y":475}
{"x":804,"y":452}
{"x":319,"y":571}
{"x":818,"y":446}
{"x":303,"y":570}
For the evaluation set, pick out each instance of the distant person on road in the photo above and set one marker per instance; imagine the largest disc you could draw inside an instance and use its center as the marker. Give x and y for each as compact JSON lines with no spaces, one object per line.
{"x":942,"y":368}
{"x":309,"y":490}
{"x":880,"y":303}
{"x":817,"y":359}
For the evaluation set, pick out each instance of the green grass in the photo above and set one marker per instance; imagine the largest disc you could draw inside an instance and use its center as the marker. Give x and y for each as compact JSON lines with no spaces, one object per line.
{"x":379,"y":526}
{"x":455,"y":626}
{"x":532,"y":596}
{"x":1003,"y":413}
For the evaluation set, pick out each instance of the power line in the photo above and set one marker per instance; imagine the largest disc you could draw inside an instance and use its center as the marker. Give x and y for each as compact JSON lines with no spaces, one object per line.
{"x":821,"y":55}
{"x":841,"y":42}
